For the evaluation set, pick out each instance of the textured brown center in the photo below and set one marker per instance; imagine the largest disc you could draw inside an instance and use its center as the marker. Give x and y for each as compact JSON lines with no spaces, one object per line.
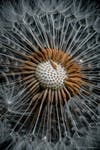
{"x":53,"y":69}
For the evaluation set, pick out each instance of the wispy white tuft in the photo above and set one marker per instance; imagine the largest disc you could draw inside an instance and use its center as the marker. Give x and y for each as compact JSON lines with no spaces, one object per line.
{"x":72,"y":26}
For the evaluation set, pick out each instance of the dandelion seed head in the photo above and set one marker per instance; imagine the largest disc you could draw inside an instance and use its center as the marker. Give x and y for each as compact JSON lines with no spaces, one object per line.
{"x":50,"y":74}
{"x":50,"y":77}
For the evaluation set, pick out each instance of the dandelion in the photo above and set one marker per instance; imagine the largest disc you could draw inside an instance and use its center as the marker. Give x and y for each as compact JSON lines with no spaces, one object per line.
{"x":49,"y":71}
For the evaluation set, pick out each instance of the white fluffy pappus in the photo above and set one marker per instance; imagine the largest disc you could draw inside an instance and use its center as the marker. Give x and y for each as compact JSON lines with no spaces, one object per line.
{"x":29,"y":120}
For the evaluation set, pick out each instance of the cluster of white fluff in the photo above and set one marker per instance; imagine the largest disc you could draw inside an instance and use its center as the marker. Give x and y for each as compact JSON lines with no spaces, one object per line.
{"x":72,"y":26}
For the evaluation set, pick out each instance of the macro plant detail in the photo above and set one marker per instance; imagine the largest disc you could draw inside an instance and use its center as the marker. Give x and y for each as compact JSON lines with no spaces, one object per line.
{"x":50,"y":69}
{"x":50,"y":74}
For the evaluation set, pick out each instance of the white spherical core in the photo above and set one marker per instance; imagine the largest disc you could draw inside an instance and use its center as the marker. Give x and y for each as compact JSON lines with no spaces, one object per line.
{"x":50,"y":77}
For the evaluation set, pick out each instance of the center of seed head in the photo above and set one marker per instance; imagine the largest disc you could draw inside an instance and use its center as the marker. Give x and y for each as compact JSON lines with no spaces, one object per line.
{"x":50,"y":74}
